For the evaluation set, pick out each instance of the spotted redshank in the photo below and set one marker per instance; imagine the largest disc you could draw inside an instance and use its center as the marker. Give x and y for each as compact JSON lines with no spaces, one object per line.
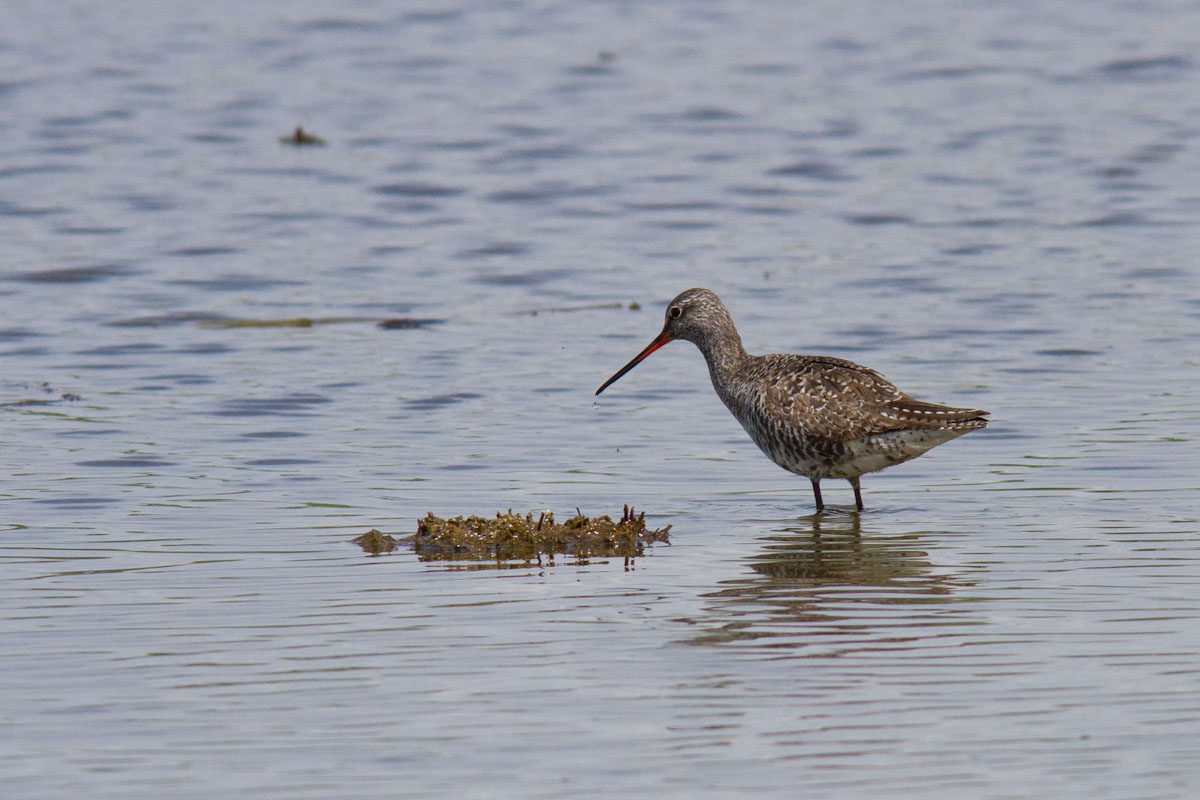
{"x":816,"y":416}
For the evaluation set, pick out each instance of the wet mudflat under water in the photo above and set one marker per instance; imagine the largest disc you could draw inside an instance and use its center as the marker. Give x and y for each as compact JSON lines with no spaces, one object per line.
{"x":994,"y":206}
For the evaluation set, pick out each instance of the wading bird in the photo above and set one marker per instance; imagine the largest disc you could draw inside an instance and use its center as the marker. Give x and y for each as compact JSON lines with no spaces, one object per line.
{"x":816,"y":416}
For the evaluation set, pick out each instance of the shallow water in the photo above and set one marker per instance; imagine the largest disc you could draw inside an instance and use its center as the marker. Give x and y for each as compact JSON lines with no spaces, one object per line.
{"x":993,"y":205}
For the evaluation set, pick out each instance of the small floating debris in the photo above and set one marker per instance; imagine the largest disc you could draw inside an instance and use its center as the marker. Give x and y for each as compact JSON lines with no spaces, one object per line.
{"x":375,"y":542}
{"x":513,"y":537}
{"x":405,"y":323}
{"x":301,"y":137}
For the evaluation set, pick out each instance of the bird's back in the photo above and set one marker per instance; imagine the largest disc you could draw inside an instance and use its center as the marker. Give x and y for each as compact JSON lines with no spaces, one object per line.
{"x":815,"y":414}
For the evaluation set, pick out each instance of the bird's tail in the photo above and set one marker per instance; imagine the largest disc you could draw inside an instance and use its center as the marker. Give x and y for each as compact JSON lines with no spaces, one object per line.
{"x":918,"y":414}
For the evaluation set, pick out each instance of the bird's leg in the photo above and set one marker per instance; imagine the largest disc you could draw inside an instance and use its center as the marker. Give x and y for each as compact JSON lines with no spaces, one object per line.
{"x":857,"y":493}
{"x":817,"y":494}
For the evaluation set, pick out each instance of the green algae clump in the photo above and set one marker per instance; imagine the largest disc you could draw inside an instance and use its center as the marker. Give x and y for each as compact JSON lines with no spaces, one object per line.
{"x":375,"y":542}
{"x":513,"y":537}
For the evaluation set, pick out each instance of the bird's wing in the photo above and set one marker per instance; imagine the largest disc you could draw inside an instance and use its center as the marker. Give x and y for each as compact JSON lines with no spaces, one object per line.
{"x":836,"y":399}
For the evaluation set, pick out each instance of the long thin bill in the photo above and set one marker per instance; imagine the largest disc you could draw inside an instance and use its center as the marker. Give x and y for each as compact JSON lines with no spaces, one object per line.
{"x":658,"y":342}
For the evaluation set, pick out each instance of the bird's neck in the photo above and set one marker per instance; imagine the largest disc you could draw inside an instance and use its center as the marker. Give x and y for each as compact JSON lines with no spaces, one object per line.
{"x":724,"y":354}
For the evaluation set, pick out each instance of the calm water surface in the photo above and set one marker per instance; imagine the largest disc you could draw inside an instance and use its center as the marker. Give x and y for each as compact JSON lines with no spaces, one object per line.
{"x":995,"y":205}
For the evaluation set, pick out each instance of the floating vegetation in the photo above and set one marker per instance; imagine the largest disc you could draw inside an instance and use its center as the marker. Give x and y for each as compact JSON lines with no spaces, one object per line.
{"x":287,"y":322}
{"x":513,"y":537}
{"x":533,"y":312}
{"x":301,"y":137}
{"x":391,"y":323}
{"x":47,"y":397}
{"x":374,"y":542}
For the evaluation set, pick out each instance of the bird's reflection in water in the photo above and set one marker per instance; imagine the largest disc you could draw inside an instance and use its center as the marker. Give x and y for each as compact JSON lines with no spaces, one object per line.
{"x":826,"y":581}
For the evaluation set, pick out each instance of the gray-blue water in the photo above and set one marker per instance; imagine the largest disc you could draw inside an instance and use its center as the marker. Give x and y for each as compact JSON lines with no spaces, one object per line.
{"x":993,"y":204}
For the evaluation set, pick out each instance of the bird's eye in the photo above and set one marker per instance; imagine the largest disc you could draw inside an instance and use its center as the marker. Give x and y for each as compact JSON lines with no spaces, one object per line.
{"x":676,"y":312}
